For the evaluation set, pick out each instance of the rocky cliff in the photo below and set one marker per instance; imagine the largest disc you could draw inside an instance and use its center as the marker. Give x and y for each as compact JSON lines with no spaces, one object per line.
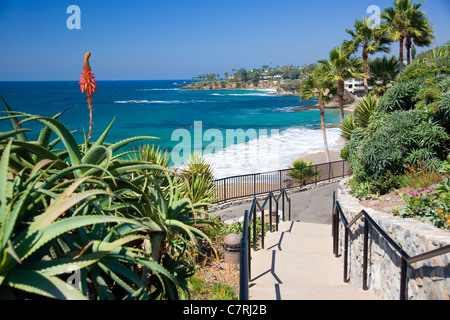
{"x":239,"y":85}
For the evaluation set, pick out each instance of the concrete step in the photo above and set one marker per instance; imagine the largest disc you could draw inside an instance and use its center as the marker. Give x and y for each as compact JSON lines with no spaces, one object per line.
{"x":297,"y":263}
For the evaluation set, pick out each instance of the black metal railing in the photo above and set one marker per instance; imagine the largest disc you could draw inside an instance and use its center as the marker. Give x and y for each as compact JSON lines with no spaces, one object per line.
{"x":368,"y":221}
{"x":250,"y":222}
{"x":252,"y":185}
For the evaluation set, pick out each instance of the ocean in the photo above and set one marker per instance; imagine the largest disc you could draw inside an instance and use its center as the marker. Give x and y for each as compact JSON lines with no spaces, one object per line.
{"x":238,"y":132}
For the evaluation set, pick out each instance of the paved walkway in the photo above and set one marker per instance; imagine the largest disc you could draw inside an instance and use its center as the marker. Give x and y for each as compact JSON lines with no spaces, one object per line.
{"x":298,"y":264}
{"x":313,"y":205}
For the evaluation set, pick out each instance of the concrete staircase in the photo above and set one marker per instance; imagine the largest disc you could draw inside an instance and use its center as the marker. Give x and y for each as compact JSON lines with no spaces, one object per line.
{"x":298,"y":264}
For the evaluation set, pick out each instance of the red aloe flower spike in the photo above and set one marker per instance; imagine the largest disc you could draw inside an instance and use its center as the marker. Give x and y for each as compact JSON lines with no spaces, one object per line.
{"x":88,"y":85}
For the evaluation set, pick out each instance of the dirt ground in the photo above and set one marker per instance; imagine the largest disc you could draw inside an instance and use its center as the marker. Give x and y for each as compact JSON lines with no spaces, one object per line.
{"x":388,"y":203}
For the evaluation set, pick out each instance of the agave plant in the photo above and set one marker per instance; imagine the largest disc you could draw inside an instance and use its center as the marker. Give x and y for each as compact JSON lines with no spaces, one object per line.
{"x":197,"y":180}
{"x":90,"y":209}
{"x":364,"y":110}
{"x":303,"y":171}
{"x":360,"y":119}
{"x":27,"y":229}
{"x":348,"y":126}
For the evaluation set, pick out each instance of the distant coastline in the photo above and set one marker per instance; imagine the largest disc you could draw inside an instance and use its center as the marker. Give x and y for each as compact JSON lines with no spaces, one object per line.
{"x":286,"y":87}
{"x":277,"y":87}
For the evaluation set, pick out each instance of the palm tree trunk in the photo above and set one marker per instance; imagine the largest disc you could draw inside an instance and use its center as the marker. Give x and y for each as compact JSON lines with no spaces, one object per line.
{"x":324,"y":132}
{"x":365,"y":57}
{"x":400,"y":58}
{"x":325,"y":140}
{"x":408,"y":45}
{"x":340,"y":85}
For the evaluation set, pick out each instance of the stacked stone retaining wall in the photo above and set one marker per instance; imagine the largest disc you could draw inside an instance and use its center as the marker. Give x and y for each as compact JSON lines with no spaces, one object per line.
{"x":427,"y":280}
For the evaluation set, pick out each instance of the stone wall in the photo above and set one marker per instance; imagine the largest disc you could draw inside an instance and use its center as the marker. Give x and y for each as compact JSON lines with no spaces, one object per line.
{"x":427,"y":280}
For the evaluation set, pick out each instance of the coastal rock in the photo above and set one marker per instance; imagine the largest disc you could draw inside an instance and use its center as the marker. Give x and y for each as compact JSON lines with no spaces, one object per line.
{"x":237,"y":85}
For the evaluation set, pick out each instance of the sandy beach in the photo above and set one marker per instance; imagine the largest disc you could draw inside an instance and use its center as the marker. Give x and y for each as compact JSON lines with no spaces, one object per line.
{"x":319,"y":158}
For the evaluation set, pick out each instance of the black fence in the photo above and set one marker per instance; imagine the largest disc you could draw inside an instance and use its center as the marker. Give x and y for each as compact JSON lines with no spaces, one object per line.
{"x":252,"y":185}
{"x":282,"y":202}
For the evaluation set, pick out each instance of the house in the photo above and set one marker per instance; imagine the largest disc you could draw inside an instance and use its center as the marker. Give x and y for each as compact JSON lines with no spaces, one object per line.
{"x":355,"y":86}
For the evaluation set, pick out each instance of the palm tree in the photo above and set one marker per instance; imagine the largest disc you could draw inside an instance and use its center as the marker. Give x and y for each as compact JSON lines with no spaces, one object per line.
{"x":421,"y":33}
{"x":319,"y":85}
{"x":405,"y":22}
{"x":340,"y":68}
{"x":370,"y":39}
{"x":382,"y":72}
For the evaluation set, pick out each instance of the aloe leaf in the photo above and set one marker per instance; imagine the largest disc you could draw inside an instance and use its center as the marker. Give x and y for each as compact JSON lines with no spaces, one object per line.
{"x":102,"y":138}
{"x":63,"y":265}
{"x":116,"y":146}
{"x":21,"y":136}
{"x":44,"y":136}
{"x":95,"y":155}
{"x":155,"y":267}
{"x":137,"y":295}
{"x":120,"y":167}
{"x":182,"y":227}
{"x":60,"y":266}
{"x":37,"y":283}
{"x":119,"y":268}
{"x":104,"y":293}
{"x":104,"y":246}
{"x":116,"y":278}
{"x":36,"y":149}
{"x":40,"y":165}
{"x":59,"y":207}
{"x":13,"y":133}
{"x":10,"y":222}
{"x":66,"y":137}
{"x":5,"y":191}
{"x":29,"y":242}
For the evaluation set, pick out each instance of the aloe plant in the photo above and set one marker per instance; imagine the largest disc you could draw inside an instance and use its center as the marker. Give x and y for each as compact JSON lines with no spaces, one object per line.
{"x":21,"y":240}
{"x":86,"y":207}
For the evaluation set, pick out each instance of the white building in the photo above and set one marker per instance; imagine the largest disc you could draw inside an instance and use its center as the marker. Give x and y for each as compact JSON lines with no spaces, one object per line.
{"x":355,"y":85}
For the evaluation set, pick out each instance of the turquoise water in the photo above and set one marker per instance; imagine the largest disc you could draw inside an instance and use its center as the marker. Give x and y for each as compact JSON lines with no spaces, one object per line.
{"x":160,"y":108}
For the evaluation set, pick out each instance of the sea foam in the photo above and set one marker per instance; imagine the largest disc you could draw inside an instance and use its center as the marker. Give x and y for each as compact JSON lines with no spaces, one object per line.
{"x":160,"y":101}
{"x":271,"y":152}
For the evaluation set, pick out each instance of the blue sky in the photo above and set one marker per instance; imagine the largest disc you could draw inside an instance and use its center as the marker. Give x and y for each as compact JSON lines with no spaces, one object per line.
{"x":149,"y":39}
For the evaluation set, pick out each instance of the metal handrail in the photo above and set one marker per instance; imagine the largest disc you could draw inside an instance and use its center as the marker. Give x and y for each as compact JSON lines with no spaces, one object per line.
{"x":250,"y":217}
{"x":368,"y":221}
{"x":255,"y":184}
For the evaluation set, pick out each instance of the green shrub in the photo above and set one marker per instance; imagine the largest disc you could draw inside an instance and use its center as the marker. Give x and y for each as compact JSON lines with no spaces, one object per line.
{"x":442,"y":113}
{"x":345,"y":153}
{"x":431,"y":204}
{"x":361,"y":191}
{"x":402,"y":96}
{"x":423,"y":159}
{"x":380,"y":153}
{"x":427,"y":65}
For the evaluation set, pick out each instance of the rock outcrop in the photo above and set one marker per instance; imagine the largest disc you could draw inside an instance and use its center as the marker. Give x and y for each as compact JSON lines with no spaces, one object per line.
{"x":240,"y":85}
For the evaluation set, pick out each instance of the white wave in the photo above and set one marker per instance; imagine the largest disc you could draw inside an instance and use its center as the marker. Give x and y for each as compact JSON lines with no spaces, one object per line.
{"x":161,"y":101}
{"x":173,"y":89}
{"x":271,"y":152}
{"x":284,"y":109}
{"x":242,"y":94}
